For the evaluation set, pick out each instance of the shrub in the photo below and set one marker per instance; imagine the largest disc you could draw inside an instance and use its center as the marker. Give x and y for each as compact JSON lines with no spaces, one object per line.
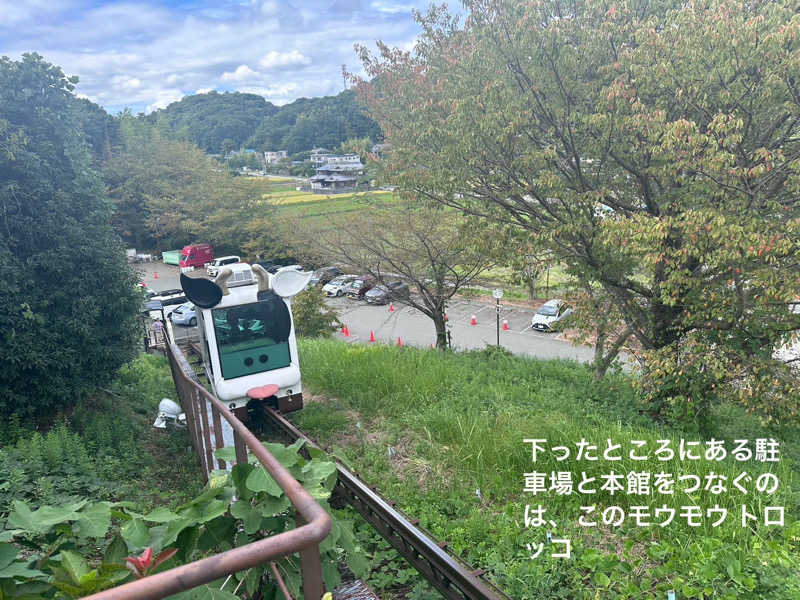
{"x":312,"y":317}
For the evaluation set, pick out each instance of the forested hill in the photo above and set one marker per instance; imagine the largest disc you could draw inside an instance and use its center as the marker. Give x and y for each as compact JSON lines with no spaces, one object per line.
{"x":218,"y":122}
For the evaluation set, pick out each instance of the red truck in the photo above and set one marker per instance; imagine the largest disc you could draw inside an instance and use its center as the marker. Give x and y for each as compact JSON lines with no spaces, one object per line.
{"x":196,"y":255}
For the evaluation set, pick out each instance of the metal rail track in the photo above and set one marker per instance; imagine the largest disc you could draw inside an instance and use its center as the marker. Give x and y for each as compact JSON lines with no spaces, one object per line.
{"x":454,"y":578}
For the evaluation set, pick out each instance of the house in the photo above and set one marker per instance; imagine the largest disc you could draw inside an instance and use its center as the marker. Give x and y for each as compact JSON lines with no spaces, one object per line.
{"x":335,"y":177}
{"x":319,"y":156}
{"x":273,"y":157}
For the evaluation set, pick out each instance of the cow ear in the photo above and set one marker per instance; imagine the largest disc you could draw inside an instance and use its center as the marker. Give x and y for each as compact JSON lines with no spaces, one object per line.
{"x":289,"y":282}
{"x":201,"y":291}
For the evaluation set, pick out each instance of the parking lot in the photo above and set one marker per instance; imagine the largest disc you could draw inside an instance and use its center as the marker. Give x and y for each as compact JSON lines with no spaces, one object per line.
{"x":414,"y":328}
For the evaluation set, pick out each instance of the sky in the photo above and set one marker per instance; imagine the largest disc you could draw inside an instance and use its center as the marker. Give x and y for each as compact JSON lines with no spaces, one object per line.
{"x":145,"y":55}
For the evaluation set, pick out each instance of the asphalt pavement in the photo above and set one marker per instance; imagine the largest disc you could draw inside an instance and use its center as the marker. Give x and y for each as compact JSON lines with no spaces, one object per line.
{"x":415,"y":329}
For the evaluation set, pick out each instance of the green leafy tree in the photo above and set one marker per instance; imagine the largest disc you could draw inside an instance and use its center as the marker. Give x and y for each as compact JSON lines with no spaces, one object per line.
{"x":68,"y":307}
{"x":312,"y":317}
{"x":652,"y":145}
{"x":169,"y":193}
{"x":433,"y":251}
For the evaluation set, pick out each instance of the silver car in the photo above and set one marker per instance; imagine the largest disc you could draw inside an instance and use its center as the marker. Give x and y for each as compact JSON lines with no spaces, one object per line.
{"x":184,"y":315}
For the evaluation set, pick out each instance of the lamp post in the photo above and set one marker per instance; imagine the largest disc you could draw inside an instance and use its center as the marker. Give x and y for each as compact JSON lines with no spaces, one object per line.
{"x":498,"y":294}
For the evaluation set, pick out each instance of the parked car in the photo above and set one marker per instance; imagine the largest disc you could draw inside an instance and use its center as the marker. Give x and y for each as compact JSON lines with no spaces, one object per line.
{"x":325,"y":275}
{"x":383,"y":294}
{"x":337,"y":285}
{"x":184,"y":315}
{"x":169,"y":297}
{"x":216,"y":264}
{"x":550,"y":313}
{"x":359,"y":287}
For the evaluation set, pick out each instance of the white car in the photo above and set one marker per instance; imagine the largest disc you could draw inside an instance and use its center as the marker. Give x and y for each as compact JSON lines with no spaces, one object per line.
{"x":336,"y":286}
{"x":550,"y":313}
{"x":215,"y":265}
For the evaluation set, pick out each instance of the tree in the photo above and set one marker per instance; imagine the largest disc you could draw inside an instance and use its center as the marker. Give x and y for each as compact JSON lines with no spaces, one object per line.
{"x":68,"y":304}
{"x":652,"y":145}
{"x":429,"y":249}
{"x":169,"y":193}
{"x":312,"y":317}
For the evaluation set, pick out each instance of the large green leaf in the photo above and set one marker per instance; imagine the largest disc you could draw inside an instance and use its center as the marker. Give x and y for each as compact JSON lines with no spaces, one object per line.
{"x":318,"y":471}
{"x":20,"y":569}
{"x":8,"y":552}
{"x":174,"y":530}
{"x":94,"y":520}
{"x":286,"y":455}
{"x":239,"y":474}
{"x":161,"y":515}
{"x":250,"y":516}
{"x":261,"y":481}
{"x":216,"y":533}
{"x":75,"y":565}
{"x":136,"y":534}
{"x":270,"y":505}
{"x":227,"y":454}
{"x":213,"y":509}
{"x":43,"y":519}
{"x":117,"y":551}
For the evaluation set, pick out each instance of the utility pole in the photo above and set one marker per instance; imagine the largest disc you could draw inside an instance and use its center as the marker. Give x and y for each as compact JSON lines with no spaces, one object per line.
{"x":344,"y":76}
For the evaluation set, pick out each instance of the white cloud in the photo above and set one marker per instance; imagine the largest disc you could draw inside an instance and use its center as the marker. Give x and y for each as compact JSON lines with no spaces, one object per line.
{"x":145,"y":54}
{"x":242,"y":73}
{"x":163,"y":99}
{"x":392,"y":9}
{"x":280,"y":60}
{"x":125,"y":82}
{"x":204,"y":90}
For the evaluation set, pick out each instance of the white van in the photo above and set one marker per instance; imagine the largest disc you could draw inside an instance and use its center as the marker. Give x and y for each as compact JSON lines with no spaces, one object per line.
{"x":215,"y":265}
{"x":242,"y":274}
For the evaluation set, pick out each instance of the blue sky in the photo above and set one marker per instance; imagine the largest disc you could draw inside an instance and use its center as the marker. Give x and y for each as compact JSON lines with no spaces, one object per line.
{"x":144,"y":55}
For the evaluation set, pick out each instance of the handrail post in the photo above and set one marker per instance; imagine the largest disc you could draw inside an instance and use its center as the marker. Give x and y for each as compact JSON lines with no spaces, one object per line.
{"x":218,"y":440}
{"x":310,"y":569}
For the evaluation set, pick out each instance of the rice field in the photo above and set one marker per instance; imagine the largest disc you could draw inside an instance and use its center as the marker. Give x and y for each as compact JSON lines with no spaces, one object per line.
{"x":285,"y":197}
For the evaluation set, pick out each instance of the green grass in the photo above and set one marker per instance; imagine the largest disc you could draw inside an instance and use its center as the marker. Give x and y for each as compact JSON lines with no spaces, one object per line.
{"x":435,"y":427}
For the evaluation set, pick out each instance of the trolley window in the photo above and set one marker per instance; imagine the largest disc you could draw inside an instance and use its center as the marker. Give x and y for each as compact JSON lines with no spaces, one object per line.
{"x":253,"y":338}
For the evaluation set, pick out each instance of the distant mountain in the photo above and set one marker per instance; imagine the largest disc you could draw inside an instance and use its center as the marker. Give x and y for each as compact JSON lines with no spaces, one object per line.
{"x":210,"y":119}
{"x":218,"y":122}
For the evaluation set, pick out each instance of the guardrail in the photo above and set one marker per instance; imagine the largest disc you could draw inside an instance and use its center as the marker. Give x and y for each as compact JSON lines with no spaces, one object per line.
{"x":305,"y":539}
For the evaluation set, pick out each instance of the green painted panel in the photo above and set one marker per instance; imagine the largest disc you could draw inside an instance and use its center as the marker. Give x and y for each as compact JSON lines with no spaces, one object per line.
{"x":253,"y":356}
{"x":171,"y":257}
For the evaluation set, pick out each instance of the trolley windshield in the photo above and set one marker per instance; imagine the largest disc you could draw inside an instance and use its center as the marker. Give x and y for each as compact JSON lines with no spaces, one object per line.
{"x":252,"y":338}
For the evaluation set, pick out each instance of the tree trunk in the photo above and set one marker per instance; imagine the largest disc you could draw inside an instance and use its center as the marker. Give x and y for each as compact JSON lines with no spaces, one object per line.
{"x":600,"y":365}
{"x":441,"y":330}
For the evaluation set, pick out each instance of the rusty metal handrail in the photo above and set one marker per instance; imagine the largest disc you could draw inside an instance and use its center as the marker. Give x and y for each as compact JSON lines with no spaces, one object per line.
{"x":304,"y":539}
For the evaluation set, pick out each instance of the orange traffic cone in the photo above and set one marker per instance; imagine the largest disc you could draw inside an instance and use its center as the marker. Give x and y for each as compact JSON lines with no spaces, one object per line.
{"x":343,"y":329}
{"x":155,"y":275}
{"x":346,"y":331}
{"x":399,"y":343}
{"x":371,"y":336}
{"x":391,"y":307}
{"x":505,"y":325}
{"x":474,"y":321}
